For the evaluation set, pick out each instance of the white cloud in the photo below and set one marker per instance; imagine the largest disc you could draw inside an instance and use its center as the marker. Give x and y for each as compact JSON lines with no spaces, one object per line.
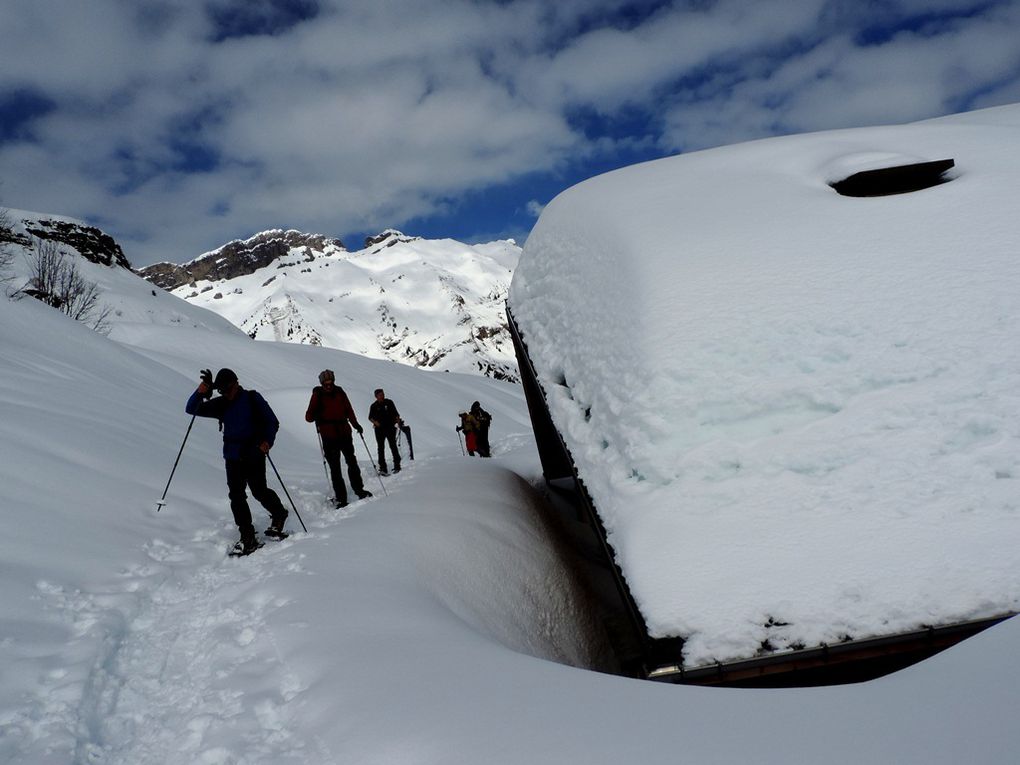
{"x":607,"y":68}
{"x":841,"y":84}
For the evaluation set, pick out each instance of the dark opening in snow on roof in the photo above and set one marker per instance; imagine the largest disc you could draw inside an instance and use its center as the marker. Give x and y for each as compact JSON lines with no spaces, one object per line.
{"x":895,"y":180}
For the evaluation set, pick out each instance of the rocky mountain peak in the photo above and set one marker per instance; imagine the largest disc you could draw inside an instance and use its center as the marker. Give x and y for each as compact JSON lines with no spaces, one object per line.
{"x":242,"y":257}
{"x":387,"y":238}
{"x":92,"y":243}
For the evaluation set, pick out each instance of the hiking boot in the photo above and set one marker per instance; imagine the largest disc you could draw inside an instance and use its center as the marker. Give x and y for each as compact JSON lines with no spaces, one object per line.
{"x":363,"y":494}
{"x":245,"y":547}
{"x":396,"y":468}
{"x":383,"y":471}
{"x":340,"y":503}
{"x":276,"y":531}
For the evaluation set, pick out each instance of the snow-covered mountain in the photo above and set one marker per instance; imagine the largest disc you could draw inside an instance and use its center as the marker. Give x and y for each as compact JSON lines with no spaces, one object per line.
{"x":435,"y":304}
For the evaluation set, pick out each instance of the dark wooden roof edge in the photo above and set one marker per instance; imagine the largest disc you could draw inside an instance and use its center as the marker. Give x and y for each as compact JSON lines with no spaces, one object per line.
{"x":920,"y":643}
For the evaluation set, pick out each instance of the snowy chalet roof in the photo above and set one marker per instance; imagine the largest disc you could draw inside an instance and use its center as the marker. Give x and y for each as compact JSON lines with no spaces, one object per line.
{"x":797,"y":413}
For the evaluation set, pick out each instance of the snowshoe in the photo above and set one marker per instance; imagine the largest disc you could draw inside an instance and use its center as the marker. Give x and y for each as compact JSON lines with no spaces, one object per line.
{"x":275,"y":531}
{"x":244,"y":547}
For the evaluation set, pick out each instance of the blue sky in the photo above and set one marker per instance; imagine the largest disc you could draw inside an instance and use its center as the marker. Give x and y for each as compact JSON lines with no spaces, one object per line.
{"x":177,"y":125}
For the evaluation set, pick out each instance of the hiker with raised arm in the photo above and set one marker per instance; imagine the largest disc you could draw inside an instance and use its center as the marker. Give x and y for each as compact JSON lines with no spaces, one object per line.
{"x":249,"y":430}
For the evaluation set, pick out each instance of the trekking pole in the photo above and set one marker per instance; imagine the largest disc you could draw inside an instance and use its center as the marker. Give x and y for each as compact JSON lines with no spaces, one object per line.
{"x":286,"y":492}
{"x":460,"y":440}
{"x":399,"y":431}
{"x":369,"y":452}
{"x":159,"y":505}
{"x":406,"y":430}
{"x":322,"y":451}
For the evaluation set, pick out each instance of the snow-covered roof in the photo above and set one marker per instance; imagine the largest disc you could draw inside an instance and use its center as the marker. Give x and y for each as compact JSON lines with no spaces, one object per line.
{"x":797,"y":413}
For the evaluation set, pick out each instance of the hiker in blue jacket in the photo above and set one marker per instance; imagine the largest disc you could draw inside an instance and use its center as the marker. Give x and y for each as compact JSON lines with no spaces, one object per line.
{"x":249,"y":430}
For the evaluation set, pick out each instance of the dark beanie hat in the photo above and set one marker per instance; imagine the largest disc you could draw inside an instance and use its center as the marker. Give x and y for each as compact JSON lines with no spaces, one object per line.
{"x":224,"y":378}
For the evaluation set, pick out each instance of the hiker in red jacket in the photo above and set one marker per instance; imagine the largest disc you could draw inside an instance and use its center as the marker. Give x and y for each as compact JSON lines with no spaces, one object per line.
{"x":333,"y":415}
{"x":469,"y":426}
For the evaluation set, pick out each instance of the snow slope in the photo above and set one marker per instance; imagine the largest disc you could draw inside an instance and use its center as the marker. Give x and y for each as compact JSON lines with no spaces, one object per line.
{"x":99,"y":587}
{"x":796,"y":412}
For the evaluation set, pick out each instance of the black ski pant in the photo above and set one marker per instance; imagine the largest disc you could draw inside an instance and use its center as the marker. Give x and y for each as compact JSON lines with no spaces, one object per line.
{"x":332,"y":449}
{"x":250,"y":472}
{"x":483,"y":443}
{"x":383,"y":434}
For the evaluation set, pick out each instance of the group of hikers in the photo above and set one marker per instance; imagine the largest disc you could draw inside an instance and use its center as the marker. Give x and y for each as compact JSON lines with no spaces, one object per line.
{"x":249,"y":428}
{"x":474,"y":424}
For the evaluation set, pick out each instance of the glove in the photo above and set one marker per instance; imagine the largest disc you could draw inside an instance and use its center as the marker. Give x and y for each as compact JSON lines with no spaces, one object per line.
{"x":359,"y":429}
{"x":207,"y":381}
{"x":457,"y":428}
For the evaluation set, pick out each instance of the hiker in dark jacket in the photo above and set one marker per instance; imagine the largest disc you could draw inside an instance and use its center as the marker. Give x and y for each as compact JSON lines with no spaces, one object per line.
{"x":483,"y":419}
{"x":333,"y":415}
{"x":249,"y":430}
{"x":385,"y":418}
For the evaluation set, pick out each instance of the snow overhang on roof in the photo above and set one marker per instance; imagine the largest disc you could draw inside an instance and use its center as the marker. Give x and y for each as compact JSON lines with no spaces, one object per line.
{"x":795,"y":412}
